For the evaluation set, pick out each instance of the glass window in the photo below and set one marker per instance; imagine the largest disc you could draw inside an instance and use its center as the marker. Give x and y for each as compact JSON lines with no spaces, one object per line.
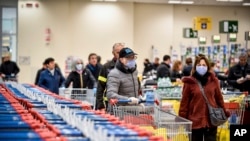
{"x":9,"y":32}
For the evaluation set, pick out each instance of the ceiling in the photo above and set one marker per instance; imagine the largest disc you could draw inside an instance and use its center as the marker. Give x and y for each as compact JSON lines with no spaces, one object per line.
{"x":196,"y":2}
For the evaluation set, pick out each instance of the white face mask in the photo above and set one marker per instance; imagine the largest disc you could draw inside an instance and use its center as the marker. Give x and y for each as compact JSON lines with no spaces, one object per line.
{"x":79,"y":67}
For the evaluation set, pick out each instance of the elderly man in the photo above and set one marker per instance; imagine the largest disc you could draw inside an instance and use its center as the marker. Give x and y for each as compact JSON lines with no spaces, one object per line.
{"x":122,"y":80}
{"x":239,"y":74}
{"x":101,"y":100}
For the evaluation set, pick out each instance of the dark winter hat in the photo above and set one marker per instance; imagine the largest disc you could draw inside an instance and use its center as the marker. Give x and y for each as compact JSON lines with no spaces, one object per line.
{"x":126,"y":52}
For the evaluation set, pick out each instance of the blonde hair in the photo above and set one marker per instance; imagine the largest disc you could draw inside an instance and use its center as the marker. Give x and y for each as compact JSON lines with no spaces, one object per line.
{"x":176,"y":65}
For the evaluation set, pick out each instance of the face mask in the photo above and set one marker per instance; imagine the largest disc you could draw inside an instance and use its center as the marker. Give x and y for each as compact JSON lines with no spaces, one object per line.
{"x":201,"y":70}
{"x":131,"y":64}
{"x":79,"y":66}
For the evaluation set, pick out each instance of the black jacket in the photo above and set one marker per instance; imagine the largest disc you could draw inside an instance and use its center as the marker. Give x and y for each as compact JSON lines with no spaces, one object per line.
{"x":38,"y":75}
{"x":175,"y":75}
{"x":9,"y":67}
{"x":87,"y":79}
{"x":187,"y":70}
{"x":163,"y":70}
{"x":155,"y":66}
{"x":147,"y":68}
{"x":237,"y":72}
{"x":102,"y":81}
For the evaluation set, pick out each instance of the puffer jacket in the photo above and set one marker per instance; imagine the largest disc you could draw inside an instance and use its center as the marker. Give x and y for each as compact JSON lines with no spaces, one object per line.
{"x":193,"y":105}
{"x":122,"y":83}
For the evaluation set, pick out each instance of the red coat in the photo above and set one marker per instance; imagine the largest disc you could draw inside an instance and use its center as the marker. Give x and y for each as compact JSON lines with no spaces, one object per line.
{"x":193,"y":105}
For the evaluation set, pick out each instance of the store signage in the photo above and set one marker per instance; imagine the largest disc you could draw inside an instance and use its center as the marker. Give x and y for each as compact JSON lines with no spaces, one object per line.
{"x":202,"y":40}
{"x":190,"y":33}
{"x":202,"y":23}
{"x":216,"y":39}
{"x":228,"y":27}
{"x":232,"y":37}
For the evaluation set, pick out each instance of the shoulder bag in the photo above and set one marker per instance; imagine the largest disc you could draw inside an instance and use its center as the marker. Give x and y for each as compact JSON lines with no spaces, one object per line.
{"x":217,"y":115}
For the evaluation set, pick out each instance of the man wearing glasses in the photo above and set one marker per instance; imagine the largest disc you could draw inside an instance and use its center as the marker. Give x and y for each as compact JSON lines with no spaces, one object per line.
{"x":122,"y":81}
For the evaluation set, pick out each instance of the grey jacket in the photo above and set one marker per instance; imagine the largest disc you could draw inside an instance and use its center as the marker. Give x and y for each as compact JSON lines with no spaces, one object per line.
{"x":122,"y":83}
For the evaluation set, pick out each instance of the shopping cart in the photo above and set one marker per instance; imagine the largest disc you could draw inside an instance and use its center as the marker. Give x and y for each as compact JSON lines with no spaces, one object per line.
{"x":166,"y":125}
{"x":10,"y":78}
{"x":235,"y":103}
{"x":84,"y":95}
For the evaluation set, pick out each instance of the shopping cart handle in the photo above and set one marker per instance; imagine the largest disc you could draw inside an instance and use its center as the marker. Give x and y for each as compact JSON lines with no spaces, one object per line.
{"x":123,"y":101}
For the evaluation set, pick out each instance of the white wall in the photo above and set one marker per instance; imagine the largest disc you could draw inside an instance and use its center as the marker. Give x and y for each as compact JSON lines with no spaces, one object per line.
{"x":153,"y":27}
{"x":81,"y":27}
{"x":78,"y":28}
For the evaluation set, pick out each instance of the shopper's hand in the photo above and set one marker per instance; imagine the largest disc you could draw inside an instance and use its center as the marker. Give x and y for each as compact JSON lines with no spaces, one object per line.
{"x":178,"y":80}
{"x":3,"y":75}
{"x":133,"y":100}
{"x":94,"y":90}
{"x":103,"y":109}
{"x":241,"y":80}
{"x":248,"y":77}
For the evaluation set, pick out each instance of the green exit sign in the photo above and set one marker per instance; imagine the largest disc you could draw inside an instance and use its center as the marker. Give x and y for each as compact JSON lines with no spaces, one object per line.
{"x":190,"y":33}
{"x":229,"y":27}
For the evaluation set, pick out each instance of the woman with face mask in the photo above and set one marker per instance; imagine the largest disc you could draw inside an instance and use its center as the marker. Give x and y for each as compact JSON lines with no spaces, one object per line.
{"x":80,"y":76}
{"x":193,"y":105}
{"x":122,"y":81}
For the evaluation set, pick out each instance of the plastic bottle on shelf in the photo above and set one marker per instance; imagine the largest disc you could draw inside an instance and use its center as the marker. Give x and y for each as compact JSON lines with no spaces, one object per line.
{"x":159,"y":82}
{"x":168,"y":82}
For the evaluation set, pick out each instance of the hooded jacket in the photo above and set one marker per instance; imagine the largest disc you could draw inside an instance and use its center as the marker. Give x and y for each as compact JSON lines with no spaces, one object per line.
{"x":122,"y":83}
{"x":193,"y":105}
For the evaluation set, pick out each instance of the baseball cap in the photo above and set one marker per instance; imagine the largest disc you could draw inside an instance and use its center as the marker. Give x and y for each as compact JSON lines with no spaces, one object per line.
{"x":126,"y":52}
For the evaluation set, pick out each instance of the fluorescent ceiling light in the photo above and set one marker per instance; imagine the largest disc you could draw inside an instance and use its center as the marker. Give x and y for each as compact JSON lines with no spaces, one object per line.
{"x":187,"y":2}
{"x":246,"y":4}
{"x":229,"y":0}
{"x":174,"y":2}
{"x":180,"y":2}
{"x":235,"y":0}
{"x":106,"y":0}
